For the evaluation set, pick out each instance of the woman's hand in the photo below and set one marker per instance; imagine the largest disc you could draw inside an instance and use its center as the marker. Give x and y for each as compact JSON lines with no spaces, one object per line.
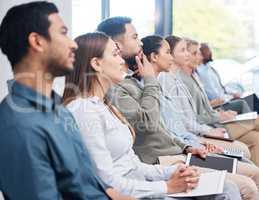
{"x":227,"y":115}
{"x":183,"y":179}
{"x":211,"y":148}
{"x":216,"y":102}
{"x":201,"y":152}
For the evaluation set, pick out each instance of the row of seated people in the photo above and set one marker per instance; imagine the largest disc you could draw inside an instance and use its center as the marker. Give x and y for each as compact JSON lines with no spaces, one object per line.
{"x":233,"y":98}
{"x":128,"y":104}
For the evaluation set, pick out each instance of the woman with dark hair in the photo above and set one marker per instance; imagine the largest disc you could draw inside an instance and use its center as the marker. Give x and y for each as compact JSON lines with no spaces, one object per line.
{"x":107,"y":134}
{"x":216,"y":92}
{"x":160,"y":56}
{"x":158,"y":53}
{"x":179,"y":93}
{"x":172,"y":112}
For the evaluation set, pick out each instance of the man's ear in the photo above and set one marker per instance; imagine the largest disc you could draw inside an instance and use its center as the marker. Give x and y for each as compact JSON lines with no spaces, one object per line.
{"x":95,"y":63}
{"x":153,"y":57}
{"x":36,"y":42}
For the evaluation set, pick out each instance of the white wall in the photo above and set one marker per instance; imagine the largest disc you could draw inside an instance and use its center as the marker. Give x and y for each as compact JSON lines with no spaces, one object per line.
{"x":65,"y":8}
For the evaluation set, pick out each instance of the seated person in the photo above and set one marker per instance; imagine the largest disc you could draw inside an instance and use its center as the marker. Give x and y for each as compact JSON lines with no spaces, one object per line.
{"x":156,"y":50}
{"x":41,"y":157}
{"x":216,"y":92}
{"x":137,"y":96}
{"x":107,"y":134}
{"x":244,"y":131}
{"x":178,"y":110}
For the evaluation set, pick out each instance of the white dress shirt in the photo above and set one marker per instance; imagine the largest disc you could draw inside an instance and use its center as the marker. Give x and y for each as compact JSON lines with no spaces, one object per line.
{"x":109,"y":143}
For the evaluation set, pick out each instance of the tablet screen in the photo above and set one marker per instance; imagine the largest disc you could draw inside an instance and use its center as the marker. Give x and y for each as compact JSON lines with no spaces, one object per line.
{"x":213,"y":162}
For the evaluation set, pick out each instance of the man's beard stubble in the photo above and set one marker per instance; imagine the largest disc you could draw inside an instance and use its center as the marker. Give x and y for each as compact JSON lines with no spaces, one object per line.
{"x":132,"y":65}
{"x":56,"y":69}
{"x":131,"y":62}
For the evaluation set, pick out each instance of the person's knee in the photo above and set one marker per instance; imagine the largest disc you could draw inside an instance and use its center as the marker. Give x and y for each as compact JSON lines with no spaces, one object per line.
{"x":257,"y":124}
{"x":248,"y":189}
{"x":255,"y":176}
{"x":254,"y":138}
{"x":249,"y":170}
{"x":250,"y":138}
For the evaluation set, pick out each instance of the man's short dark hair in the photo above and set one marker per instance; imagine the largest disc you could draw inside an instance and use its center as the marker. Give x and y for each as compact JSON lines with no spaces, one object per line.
{"x":114,"y":26}
{"x":17,"y":25}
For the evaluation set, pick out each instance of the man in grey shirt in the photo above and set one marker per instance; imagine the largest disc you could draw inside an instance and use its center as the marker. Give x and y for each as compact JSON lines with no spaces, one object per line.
{"x":138,"y":96}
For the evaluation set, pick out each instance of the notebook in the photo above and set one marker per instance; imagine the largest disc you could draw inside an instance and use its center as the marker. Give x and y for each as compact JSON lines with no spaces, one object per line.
{"x":242,"y":117}
{"x":213,"y":161}
{"x":226,"y":137}
{"x":206,"y":186}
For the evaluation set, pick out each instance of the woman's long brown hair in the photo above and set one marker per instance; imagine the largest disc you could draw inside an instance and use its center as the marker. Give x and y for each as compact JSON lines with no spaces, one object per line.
{"x":83,"y":78}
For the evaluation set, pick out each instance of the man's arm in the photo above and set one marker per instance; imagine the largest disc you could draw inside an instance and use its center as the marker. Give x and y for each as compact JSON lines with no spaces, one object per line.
{"x":143,"y":113}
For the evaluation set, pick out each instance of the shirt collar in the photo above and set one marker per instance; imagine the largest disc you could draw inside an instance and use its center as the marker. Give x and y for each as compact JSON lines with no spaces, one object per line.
{"x":33,"y":96}
{"x":140,"y":82}
{"x":130,"y":72}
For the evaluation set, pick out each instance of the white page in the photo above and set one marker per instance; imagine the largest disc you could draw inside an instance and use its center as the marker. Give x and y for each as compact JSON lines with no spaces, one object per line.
{"x":206,"y":186}
{"x":242,"y":117}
